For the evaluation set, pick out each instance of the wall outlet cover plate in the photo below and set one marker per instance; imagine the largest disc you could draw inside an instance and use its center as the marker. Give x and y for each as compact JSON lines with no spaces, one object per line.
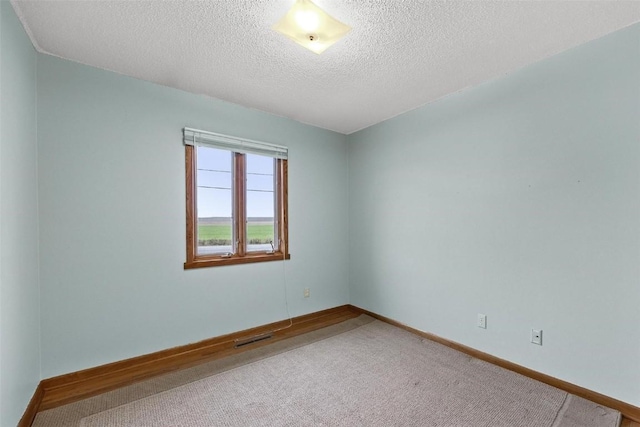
{"x":482,"y":321}
{"x":536,"y":336}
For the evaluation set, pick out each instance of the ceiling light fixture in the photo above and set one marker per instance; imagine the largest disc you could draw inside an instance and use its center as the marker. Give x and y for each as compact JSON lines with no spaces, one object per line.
{"x":309,"y":26}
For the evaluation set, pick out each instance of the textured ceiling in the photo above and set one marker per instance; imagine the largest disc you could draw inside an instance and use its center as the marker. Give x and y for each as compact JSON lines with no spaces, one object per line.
{"x":400,"y":54}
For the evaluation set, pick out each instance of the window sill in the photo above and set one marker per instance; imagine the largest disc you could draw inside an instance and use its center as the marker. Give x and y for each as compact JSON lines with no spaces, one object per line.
{"x":233,"y":260}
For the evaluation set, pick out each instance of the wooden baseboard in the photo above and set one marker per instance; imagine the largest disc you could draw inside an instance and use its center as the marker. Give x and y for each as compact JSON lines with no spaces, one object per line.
{"x":32,"y":408}
{"x":75,"y":386}
{"x":64,"y":389}
{"x":627,"y":410}
{"x":626,"y":422}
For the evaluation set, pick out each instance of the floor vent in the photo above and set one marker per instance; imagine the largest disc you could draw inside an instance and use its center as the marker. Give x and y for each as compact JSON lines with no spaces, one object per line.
{"x":254,"y":339}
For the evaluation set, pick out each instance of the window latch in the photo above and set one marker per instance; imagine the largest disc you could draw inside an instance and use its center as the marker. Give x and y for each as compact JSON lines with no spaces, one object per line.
{"x":273,"y":250}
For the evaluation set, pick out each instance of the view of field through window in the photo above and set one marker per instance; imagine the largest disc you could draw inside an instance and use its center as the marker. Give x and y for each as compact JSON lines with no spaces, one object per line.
{"x":215,"y":202}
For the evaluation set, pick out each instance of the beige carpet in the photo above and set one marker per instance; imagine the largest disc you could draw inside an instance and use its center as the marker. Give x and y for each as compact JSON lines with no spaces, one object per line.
{"x":371,"y":374}
{"x":70,"y":415}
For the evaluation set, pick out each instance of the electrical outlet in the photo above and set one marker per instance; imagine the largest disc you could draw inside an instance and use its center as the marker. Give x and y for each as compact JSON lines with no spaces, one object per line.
{"x":307,"y":293}
{"x":482,"y":321}
{"x":536,"y":336}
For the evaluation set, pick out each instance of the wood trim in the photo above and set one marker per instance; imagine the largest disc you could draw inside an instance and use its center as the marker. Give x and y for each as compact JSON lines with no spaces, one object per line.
{"x":240,"y":204}
{"x":33,"y":407}
{"x":79,"y":385}
{"x":283,"y":194}
{"x":627,"y":410}
{"x":626,"y":422}
{"x":234,"y":260}
{"x":192,"y":202}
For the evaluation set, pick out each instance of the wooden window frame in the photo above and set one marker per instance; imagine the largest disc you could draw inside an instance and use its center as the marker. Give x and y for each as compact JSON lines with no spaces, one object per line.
{"x":239,"y":216}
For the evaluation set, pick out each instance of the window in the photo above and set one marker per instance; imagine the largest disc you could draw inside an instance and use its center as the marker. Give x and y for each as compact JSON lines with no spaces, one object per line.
{"x":236,"y":200}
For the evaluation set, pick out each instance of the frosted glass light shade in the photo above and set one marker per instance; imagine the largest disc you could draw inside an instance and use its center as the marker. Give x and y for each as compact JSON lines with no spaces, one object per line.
{"x":308,"y":25}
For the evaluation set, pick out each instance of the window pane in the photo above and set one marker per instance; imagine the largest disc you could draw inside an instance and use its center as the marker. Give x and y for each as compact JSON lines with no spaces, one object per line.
{"x":215,"y":201}
{"x":260,"y":203}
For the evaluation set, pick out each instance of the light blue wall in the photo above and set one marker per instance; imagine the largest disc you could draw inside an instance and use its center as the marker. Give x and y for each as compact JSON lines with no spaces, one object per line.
{"x":19,"y":292}
{"x":519,"y":199}
{"x":112,"y":220}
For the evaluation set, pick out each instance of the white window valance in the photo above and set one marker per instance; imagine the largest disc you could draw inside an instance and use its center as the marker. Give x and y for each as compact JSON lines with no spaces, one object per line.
{"x":197,"y":137}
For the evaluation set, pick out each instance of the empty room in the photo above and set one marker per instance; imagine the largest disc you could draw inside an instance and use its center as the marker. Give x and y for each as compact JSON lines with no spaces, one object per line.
{"x":328,"y":212}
